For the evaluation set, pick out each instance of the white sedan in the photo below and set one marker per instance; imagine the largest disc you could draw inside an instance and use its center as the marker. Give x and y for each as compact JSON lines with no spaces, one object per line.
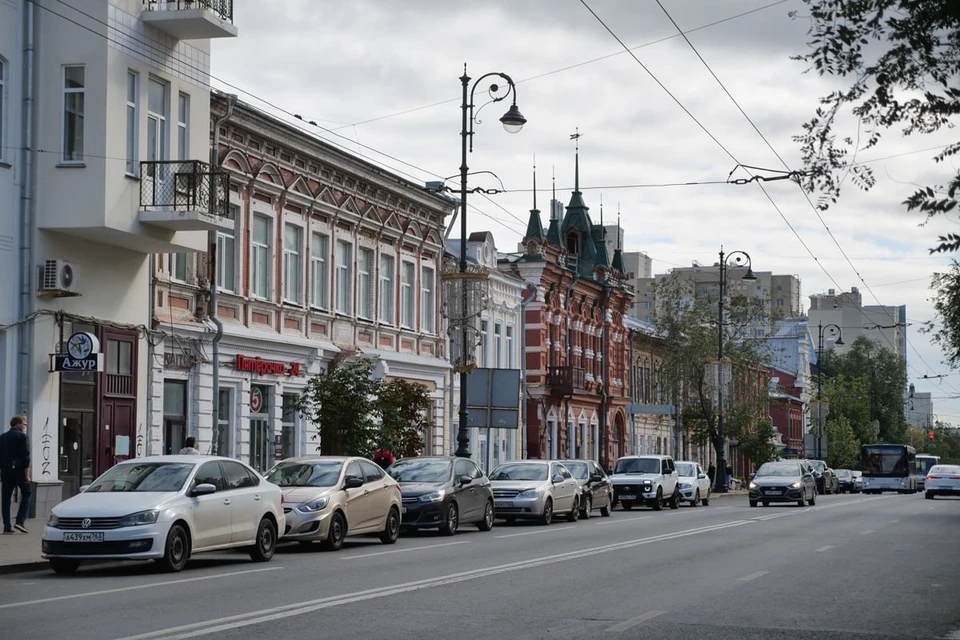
{"x":166,"y":508}
{"x":694,"y":483}
{"x":942,"y":480}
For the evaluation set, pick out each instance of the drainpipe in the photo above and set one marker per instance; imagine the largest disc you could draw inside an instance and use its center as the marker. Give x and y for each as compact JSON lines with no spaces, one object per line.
{"x":633,"y":392}
{"x":212,"y":275}
{"x":151,"y":351}
{"x":566,"y":344}
{"x":27,"y":210}
{"x":532,"y":289}
{"x":604,"y":441}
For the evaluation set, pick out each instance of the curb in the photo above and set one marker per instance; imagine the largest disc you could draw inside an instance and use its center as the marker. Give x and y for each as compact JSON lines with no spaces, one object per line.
{"x":23,"y":567}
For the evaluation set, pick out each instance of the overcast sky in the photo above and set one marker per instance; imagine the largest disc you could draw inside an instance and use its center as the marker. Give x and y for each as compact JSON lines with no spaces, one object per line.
{"x":385,"y":75}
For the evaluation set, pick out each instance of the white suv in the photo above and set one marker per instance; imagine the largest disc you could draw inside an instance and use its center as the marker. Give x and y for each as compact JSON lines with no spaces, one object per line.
{"x":647,"y":479}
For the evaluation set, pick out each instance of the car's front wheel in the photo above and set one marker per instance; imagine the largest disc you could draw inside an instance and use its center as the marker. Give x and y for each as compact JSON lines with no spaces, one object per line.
{"x":675,"y":499}
{"x":605,"y":511}
{"x":488,"y":517}
{"x":546,"y":517}
{"x":266,"y":544}
{"x":928,"y":495}
{"x":64,"y":566}
{"x":658,"y":501}
{"x":451,"y":520}
{"x":336,"y":534}
{"x":587,"y":508}
{"x":391,"y":528}
{"x":574,"y":514}
{"x":176,"y":549}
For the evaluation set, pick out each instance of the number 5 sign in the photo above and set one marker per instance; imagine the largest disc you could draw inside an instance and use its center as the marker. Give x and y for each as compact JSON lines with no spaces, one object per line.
{"x":256,"y":400}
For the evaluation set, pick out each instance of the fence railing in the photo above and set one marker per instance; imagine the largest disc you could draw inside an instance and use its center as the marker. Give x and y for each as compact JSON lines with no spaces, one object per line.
{"x":183,"y":185}
{"x":222,"y":8}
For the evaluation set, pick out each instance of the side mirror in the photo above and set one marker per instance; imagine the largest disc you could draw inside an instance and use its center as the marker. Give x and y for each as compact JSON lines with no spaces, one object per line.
{"x":204,"y":489}
{"x":557,"y":479}
{"x":596,"y":478}
{"x":465,"y":480}
{"x":353,"y":483}
{"x":83,"y":488}
{"x":702,"y":476}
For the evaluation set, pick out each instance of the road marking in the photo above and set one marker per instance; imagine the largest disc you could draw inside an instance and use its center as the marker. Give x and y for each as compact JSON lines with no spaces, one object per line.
{"x":88,"y":594}
{"x":867,"y":532}
{"x":619,"y":521}
{"x":753,"y":576}
{"x":219,"y":625}
{"x":540,"y":531}
{"x":383,"y":553}
{"x":895,"y":521}
{"x":632,"y":622}
{"x":821,"y":549}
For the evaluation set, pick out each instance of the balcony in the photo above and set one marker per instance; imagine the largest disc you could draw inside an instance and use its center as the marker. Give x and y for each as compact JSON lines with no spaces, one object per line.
{"x":191,"y":19}
{"x":565,"y":381}
{"x":176,"y":196}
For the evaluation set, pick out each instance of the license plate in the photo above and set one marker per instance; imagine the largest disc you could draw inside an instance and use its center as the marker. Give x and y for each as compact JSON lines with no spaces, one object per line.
{"x":773,"y":491}
{"x":504,"y":504}
{"x":624,"y":496}
{"x":403,"y":509}
{"x":83,"y":537}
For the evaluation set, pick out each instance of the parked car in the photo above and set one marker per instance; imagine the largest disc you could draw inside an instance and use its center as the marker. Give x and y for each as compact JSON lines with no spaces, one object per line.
{"x":694,"y":483}
{"x":858,"y":481}
{"x":784,"y":481}
{"x":942,"y":480}
{"x":443,"y":492}
{"x":596,"y":490}
{"x":848,"y":481}
{"x":825,"y":477}
{"x":166,"y":508}
{"x":646,"y":479}
{"x":328,"y":498}
{"x":535,"y":489}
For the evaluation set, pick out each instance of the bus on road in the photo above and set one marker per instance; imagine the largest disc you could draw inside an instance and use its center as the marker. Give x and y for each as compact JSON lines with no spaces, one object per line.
{"x":888,"y":467}
{"x":924,"y":462}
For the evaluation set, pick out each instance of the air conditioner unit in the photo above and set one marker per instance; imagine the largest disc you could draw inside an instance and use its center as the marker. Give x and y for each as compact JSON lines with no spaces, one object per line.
{"x":59,"y":278}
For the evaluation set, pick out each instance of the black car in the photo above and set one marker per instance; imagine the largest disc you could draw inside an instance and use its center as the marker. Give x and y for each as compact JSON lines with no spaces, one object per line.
{"x":595,"y":486}
{"x":443,"y":492}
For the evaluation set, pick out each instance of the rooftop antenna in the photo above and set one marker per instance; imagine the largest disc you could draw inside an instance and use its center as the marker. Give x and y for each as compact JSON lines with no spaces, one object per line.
{"x":534,"y":182}
{"x":576,"y":169}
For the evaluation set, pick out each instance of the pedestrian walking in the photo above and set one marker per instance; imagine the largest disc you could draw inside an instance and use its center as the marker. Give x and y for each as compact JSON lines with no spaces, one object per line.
{"x":729,"y":476}
{"x":15,"y":473}
{"x":712,"y":474}
{"x":383,"y":458}
{"x":190,"y":447}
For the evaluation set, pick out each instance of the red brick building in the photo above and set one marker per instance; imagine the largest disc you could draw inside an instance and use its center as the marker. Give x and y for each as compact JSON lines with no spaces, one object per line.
{"x":576,"y":346}
{"x":786,"y":411}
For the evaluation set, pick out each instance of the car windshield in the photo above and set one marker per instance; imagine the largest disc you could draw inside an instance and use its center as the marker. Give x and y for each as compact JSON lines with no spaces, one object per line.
{"x":845,"y":474}
{"x":818,"y":465}
{"x":413,"y":470}
{"x":781,"y":470}
{"x":637,"y":465}
{"x":520,"y":472}
{"x":880,"y":460}
{"x":686,"y":469}
{"x":143,"y":476}
{"x":319,"y":473}
{"x":579,"y":470}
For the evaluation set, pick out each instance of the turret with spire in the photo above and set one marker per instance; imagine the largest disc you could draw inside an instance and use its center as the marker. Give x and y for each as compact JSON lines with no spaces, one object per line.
{"x":618,"y":252}
{"x":553,"y":231}
{"x":534,"y":226}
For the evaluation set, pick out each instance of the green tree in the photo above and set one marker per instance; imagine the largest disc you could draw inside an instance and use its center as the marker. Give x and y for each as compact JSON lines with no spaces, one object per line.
{"x":902,"y":59}
{"x":756,"y":444}
{"x":687,"y":324}
{"x":843,"y":446}
{"x":404,"y":415}
{"x":945,"y":327}
{"x":343,"y":404}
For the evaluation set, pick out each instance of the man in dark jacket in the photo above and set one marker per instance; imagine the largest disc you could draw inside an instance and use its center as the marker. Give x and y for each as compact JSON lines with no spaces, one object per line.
{"x":15,"y":472}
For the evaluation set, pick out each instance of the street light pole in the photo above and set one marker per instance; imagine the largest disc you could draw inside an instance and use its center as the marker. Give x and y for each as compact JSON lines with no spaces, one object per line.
{"x":512,"y":121}
{"x":821,"y":417}
{"x":742,"y":258}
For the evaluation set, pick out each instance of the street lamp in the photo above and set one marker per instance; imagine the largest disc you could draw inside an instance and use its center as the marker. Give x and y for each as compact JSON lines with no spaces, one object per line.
{"x":512,"y":121}
{"x":740,"y":258}
{"x":823,"y":406}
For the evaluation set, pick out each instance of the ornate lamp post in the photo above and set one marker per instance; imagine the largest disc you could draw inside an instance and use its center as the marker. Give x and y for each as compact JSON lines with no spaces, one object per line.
{"x":469,"y":285}
{"x":823,"y":406}
{"x":740,"y":258}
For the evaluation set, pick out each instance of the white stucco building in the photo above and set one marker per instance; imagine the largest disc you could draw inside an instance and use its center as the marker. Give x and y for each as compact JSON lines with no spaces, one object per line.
{"x":119,"y":94}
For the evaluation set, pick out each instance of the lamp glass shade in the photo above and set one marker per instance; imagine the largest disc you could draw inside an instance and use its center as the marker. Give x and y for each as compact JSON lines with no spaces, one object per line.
{"x":513,"y":120}
{"x":749,"y":275}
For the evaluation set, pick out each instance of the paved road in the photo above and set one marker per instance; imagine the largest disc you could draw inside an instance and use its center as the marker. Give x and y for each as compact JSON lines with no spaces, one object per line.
{"x":851,"y":567}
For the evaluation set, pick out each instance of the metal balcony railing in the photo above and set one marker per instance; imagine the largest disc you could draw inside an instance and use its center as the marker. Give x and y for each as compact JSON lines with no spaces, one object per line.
{"x":223,"y":9}
{"x":183,"y":185}
{"x":566,"y":380}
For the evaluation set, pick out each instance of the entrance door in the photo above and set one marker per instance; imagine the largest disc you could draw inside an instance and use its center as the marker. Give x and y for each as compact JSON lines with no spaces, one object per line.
{"x":260,"y":445}
{"x":117,"y":431}
{"x":77,"y":446}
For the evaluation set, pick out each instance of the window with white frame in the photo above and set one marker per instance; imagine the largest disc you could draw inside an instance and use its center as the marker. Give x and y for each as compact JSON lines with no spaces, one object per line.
{"x":183,"y":127}
{"x":319,"y":272}
{"x":227,"y":253}
{"x":497,"y":343}
{"x":407,"y":298}
{"x":428,"y":300}
{"x":292,"y":263}
{"x":74,"y":92}
{"x":387,"y":292}
{"x":177,"y":266}
{"x":509,"y":345}
{"x":344,"y":278}
{"x":133,"y":120}
{"x":157,"y":110}
{"x":260,"y":257}
{"x":484,"y":340}
{"x":365,"y":284}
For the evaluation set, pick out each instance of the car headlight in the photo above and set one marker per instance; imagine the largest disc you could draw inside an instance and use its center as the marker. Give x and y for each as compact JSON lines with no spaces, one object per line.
{"x":529,"y":494}
{"x":433,"y":496}
{"x":314,"y":505}
{"x":753,"y":485}
{"x":796,"y":485}
{"x":647,"y":486}
{"x":53,"y":521}
{"x":685,"y":486}
{"x":139,"y":518}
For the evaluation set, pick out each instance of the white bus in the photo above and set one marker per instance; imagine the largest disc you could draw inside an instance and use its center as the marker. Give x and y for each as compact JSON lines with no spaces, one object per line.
{"x":925,"y":462}
{"x":888,"y":467}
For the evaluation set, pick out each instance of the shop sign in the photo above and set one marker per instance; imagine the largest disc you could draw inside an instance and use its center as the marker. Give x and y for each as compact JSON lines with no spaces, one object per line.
{"x":256,"y":400}
{"x":261,"y":367}
{"x":178,"y":361}
{"x":83,"y":355}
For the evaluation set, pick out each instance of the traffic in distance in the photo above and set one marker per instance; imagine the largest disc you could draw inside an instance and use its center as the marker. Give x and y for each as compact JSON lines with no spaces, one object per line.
{"x":169,"y":508}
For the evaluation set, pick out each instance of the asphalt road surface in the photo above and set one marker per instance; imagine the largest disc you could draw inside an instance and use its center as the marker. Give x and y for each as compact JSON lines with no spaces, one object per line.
{"x":852,"y":567}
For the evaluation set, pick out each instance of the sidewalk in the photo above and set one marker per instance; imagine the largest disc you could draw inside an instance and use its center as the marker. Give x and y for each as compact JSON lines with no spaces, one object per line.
{"x":21,"y":551}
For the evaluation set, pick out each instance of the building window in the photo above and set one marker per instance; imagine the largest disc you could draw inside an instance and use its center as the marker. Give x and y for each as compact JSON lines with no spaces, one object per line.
{"x":292,"y":263}
{"x":319,"y":275}
{"x":74,"y":88}
{"x":497,"y":343}
{"x":288,"y":426}
{"x":407,"y":298}
{"x":177,"y":266}
{"x":133,"y":120}
{"x":387,"y":292}
{"x":428,"y":300}
{"x":344,"y":290}
{"x":223,"y":436}
{"x":183,"y":126}
{"x":365,"y":284}
{"x":174,"y":415}
{"x":119,"y":357}
{"x":510,"y":347}
{"x":484,"y":339}
{"x":227,"y":253}
{"x":260,"y":257}
{"x":156,"y":121}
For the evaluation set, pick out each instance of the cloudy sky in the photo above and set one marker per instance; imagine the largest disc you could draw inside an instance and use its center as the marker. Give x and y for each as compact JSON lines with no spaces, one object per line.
{"x":381,"y":79}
